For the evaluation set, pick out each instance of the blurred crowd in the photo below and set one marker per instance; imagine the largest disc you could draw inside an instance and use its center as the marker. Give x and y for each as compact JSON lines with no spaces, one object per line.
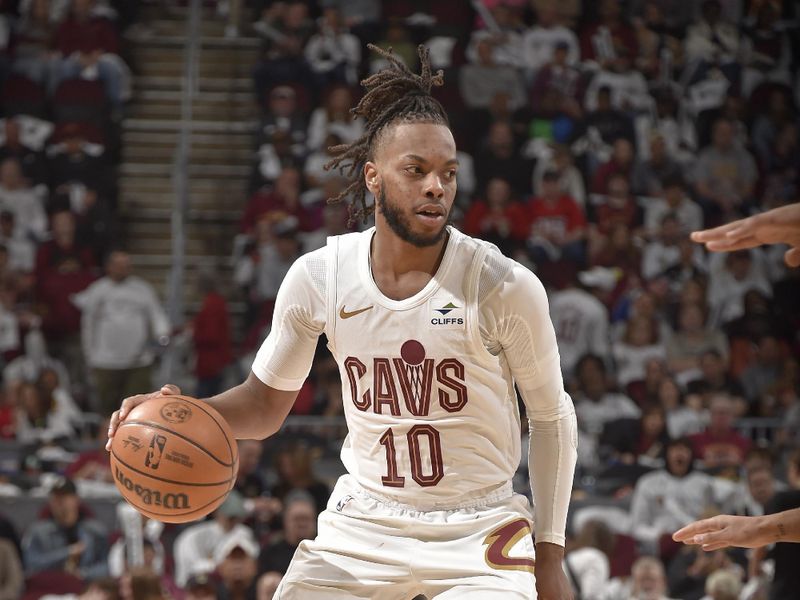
{"x":593,"y":137}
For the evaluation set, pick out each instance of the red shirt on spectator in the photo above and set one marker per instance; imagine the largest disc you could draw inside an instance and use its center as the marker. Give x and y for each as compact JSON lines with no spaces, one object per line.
{"x":609,"y":214}
{"x":212,"y":337}
{"x":562,"y":216}
{"x":86,"y":36}
{"x":720,"y":449}
{"x":264,"y":202}
{"x":604,"y":173}
{"x":481,"y":221}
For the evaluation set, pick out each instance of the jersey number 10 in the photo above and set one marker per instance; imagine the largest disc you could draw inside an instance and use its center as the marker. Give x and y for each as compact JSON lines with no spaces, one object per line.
{"x":393,"y":478}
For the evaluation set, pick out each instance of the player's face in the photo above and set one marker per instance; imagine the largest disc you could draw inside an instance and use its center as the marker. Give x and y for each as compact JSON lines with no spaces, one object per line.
{"x":413,"y":179}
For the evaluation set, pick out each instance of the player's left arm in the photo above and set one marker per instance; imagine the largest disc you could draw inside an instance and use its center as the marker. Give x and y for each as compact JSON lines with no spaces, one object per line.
{"x":516,"y":315}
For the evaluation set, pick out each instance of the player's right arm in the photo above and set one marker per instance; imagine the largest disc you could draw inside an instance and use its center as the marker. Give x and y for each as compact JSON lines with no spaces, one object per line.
{"x":257,"y":407}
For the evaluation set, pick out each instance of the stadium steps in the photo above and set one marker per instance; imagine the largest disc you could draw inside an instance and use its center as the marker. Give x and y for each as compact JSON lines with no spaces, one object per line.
{"x":224,"y":118}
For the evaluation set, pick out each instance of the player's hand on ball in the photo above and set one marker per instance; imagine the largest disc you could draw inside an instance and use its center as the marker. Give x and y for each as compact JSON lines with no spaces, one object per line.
{"x":133,"y":401}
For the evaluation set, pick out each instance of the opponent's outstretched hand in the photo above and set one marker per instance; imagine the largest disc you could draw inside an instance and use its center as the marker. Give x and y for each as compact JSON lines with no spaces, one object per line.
{"x":776,"y":226}
{"x":723,"y":531}
{"x":132,"y":401}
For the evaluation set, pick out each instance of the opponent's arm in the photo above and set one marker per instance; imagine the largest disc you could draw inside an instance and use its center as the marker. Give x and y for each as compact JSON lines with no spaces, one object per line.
{"x":743,"y":532}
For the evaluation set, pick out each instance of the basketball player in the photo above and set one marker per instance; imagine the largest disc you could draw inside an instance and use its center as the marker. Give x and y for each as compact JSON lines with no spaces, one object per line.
{"x":431,"y":330}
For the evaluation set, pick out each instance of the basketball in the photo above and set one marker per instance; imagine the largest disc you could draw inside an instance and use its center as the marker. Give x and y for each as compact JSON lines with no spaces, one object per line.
{"x":174,"y":458}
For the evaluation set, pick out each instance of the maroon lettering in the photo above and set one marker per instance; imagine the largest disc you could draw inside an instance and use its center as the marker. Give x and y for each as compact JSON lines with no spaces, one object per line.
{"x":435,"y":448}
{"x":455,"y":383}
{"x":355,"y":371}
{"x":385,"y":389}
{"x":391,"y":479}
{"x":417,"y":406}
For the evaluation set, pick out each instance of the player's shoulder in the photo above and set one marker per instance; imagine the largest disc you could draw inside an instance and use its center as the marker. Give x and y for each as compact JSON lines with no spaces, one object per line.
{"x":313,"y":266}
{"x":498,"y":270}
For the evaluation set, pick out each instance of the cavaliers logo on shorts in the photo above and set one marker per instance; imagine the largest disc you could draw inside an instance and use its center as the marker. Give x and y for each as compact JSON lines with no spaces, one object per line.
{"x":176,"y":412}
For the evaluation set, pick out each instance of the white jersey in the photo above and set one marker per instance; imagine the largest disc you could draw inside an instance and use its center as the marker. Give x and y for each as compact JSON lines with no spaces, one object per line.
{"x":428,"y":381}
{"x":581,"y":324}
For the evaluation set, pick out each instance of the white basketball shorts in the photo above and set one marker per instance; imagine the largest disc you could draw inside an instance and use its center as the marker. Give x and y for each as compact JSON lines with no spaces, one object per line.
{"x":370,"y":548}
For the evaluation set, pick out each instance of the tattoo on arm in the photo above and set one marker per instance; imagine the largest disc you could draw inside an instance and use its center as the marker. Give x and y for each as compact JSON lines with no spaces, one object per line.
{"x":781,"y":531}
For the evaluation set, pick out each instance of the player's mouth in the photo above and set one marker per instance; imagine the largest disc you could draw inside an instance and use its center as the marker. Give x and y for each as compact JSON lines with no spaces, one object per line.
{"x":431,"y":214}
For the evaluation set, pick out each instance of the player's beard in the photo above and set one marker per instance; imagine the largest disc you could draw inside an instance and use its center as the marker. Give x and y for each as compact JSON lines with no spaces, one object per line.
{"x":400,"y":224}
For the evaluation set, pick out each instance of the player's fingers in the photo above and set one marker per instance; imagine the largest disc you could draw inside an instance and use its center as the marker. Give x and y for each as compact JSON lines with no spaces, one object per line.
{"x":688,"y":533}
{"x":706,"y":235}
{"x":112,"y":428}
{"x":170,"y":389}
{"x":734,"y":244}
{"x":792,"y":257}
{"x":714,"y":546}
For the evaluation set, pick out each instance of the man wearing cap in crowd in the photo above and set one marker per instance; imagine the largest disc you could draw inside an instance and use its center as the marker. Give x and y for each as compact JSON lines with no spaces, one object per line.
{"x":195,"y":548}
{"x":236,"y":560}
{"x":200,"y":587}
{"x":66,"y":539}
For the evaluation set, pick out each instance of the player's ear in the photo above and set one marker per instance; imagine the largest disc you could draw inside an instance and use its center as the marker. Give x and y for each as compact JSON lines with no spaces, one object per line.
{"x":371,"y":177}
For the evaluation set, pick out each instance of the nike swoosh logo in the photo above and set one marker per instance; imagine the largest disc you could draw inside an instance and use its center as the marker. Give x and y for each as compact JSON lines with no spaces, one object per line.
{"x":346,"y":315}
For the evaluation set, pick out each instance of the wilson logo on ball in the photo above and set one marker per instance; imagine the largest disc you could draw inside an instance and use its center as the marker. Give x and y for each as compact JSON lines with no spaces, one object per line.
{"x":153,"y":497}
{"x":155,"y":451}
{"x":176,"y":412}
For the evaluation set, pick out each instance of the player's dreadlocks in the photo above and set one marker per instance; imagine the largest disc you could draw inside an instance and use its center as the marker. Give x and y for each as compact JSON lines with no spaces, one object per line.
{"x":393,"y":95}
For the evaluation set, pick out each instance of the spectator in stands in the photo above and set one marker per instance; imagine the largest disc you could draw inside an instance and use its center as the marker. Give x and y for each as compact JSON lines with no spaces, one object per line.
{"x":201,"y":586}
{"x":769,"y":123}
{"x":27,"y":149}
{"x":641,"y":441}
{"x":12,"y":579}
{"x":664,"y":251}
{"x":24,"y":202}
{"x":712,"y":40}
{"x":506,"y":35}
{"x":720,"y":445}
{"x":67,"y":539}
{"x":40,"y":419}
{"x":93,"y":464}
{"x":580,"y":320}
{"x":277,"y":247}
{"x":621,"y":252}
{"x":667,"y":499}
{"x":75,"y":158}
{"x":650,"y":175}
{"x":724,"y":175}
{"x":480,"y":81}
{"x":499,"y":218}
{"x":618,"y":207}
{"x":335,"y":219}
{"x":236,"y":561}
{"x":766,"y":49}
{"x":717,"y":379}
{"x":211,"y":336}
{"x":670,"y":122}
{"x":88,"y":47}
{"x":622,"y":162}
{"x":693,"y":339}
{"x":648,"y":579}
{"x":761,"y":488}
{"x":29,"y":367}
{"x":33,"y":39}
{"x":640,"y":344}
{"x":547,"y":36}
{"x":299,"y":523}
{"x":294,"y":467}
{"x":285,"y":28}
{"x":628,"y":87}
{"x":765,"y":375}
{"x":120,"y":321}
{"x":333,"y":53}
{"x":267,"y":585}
{"x":692,"y":567}
{"x":334,"y":117}
{"x":314,"y":169}
{"x":731,"y":276}
{"x":604,"y":40}
{"x":557,"y":225}
{"x":595,"y":402}
{"x":673,"y":199}
{"x":561,"y":161}
{"x":275,"y":203}
{"x":587,"y":562}
{"x":499,"y":158}
{"x":195,"y":546}
{"x":601,"y":128}
{"x":283,"y":120}
{"x":683,"y":419}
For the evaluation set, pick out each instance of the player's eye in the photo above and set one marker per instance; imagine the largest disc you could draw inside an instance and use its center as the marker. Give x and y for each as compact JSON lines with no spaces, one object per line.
{"x":414,"y":169}
{"x":451,"y":174}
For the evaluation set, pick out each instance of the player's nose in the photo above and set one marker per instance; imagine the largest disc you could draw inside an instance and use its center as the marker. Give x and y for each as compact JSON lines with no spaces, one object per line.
{"x":434,"y":187}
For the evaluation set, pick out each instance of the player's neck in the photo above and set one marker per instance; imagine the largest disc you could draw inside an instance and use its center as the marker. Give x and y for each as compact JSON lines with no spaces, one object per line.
{"x":400,"y":269}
